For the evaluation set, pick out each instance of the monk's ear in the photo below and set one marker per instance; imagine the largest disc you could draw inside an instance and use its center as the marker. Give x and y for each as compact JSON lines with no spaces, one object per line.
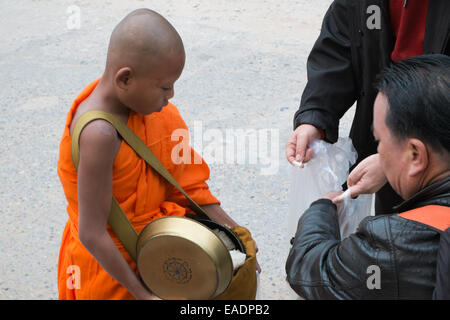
{"x":418,"y":157}
{"x":123,"y":78}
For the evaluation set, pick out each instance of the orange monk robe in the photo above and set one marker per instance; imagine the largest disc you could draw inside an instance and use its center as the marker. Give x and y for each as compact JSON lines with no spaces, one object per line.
{"x":142,"y":194}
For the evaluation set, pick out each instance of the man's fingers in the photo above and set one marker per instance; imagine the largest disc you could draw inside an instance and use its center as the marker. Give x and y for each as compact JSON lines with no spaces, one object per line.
{"x":300,"y":148}
{"x":290,"y":154}
{"x":299,"y":141}
{"x":308,"y":155}
{"x":290,"y":148}
{"x":355,"y":191}
{"x":355,"y":176}
{"x":352,"y":192}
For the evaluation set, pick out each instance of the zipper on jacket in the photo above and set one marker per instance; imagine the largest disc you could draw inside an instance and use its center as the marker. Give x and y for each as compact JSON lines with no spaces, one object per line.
{"x":356,"y":38}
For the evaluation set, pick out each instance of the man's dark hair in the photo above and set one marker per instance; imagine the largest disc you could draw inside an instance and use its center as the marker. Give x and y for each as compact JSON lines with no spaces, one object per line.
{"x":418,"y":92}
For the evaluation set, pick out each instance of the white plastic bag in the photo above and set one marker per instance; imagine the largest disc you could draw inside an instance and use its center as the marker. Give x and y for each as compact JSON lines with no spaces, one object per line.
{"x":326,"y":171}
{"x":352,"y":211}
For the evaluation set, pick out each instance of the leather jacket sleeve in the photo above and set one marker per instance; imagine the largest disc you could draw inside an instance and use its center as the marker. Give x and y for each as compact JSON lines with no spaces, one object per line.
{"x":442,"y":290}
{"x":321,"y":266}
{"x":330,"y":90}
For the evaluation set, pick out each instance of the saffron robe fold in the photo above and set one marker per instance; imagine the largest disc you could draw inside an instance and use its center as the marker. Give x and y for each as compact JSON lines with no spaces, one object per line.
{"x":141,"y":193}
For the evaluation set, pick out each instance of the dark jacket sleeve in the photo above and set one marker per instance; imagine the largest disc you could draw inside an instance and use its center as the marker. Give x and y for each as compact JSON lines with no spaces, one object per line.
{"x":322,"y":266}
{"x":330,"y":90}
{"x":442,"y":290}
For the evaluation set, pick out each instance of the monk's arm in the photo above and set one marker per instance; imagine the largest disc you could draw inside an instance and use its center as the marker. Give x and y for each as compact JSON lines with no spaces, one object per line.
{"x":216,"y":213}
{"x":99,"y":145}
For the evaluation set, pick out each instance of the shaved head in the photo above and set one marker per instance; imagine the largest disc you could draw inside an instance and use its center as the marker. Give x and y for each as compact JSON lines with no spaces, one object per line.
{"x":140,"y":40}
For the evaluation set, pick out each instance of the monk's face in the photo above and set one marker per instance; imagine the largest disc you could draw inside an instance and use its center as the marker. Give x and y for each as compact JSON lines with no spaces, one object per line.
{"x":151,"y":87}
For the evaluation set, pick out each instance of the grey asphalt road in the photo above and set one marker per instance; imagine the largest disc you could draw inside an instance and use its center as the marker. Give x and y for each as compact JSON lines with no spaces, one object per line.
{"x":245,"y":70}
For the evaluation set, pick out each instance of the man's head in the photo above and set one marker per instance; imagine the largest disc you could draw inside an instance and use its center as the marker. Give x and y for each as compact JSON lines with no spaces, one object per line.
{"x":412,"y":122}
{"x":145,"y":58}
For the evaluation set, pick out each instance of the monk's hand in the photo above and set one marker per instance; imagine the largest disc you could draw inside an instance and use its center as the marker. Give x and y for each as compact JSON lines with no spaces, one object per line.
{"x":217,"y":214}
{"x":152,"y":297}
{"x":258,"y":267}
{"x":367,"y":177}
{"x":146,"y":295}
{"x":298,"y":149}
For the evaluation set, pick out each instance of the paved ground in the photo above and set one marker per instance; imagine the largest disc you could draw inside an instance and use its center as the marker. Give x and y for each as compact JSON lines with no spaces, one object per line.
{"x":245,"y":69}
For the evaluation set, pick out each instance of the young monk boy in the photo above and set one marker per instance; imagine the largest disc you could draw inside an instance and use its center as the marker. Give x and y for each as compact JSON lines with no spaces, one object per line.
{"x":145,"y":58}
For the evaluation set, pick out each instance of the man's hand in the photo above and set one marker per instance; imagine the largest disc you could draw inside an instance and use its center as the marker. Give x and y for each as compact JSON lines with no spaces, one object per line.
{"x":367,"y":177}
{"x":297,"y":146}
{"x":332,"y":195}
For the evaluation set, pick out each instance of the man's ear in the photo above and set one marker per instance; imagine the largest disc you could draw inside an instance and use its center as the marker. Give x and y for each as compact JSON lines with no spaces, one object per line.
{"x":123,"y":78}
{"x":418,"y":156}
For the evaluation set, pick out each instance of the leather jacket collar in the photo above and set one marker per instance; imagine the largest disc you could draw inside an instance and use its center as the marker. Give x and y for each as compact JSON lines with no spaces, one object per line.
{"x":436,"y":193}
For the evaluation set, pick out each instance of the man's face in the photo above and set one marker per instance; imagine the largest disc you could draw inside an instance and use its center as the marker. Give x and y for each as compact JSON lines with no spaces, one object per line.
{"x":393,"y":154}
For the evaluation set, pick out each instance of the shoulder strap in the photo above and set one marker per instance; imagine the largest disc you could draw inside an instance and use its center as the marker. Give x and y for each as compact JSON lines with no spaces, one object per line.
{"x":118,"y":221}
{"x":435,"y":216}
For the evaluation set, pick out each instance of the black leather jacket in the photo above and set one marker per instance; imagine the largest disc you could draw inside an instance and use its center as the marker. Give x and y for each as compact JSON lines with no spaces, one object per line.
{"x":345,"y":60}
{"x":322,"y":266}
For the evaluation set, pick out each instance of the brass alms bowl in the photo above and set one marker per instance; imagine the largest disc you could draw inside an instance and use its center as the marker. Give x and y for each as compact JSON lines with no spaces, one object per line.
{"x":180,"y":258}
